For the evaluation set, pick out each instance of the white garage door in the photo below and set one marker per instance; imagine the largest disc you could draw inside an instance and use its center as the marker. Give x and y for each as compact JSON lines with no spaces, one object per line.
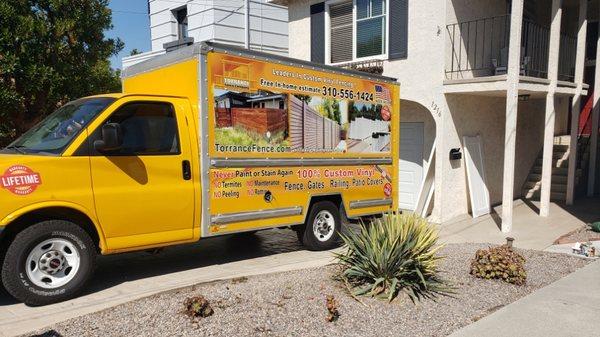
{"x":411,"y":164}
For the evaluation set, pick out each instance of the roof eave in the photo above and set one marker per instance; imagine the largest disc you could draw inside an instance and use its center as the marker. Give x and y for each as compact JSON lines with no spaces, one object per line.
{"x":279,"y":2}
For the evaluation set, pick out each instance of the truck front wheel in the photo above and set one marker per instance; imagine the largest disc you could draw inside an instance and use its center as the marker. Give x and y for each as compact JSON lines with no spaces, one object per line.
{"x":322,"y":228}
{"x":48,"y":262}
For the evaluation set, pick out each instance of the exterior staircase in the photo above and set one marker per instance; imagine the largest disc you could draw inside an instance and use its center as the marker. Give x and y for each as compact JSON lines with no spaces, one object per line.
{"x":560,"y":167}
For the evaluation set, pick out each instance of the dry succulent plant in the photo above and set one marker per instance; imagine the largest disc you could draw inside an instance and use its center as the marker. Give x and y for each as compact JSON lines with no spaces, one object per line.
{"x":500,"y":262}
{"x":332,"y":308}
{"x":198,"y":307}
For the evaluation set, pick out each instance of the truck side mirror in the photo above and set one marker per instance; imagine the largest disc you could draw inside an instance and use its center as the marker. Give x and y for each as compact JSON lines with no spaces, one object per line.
{"x":112,"y":138}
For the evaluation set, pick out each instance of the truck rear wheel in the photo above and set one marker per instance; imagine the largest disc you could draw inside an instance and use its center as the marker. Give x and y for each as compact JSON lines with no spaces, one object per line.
{"x":48,"y":262}
{"x":322,"y":228}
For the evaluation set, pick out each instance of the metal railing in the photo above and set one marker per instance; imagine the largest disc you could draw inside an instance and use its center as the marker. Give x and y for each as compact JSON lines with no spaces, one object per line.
{"x":535,"y":44}
{"x":566,"y":58}
{"x":480,"y":48}
{"x":474,"y":44}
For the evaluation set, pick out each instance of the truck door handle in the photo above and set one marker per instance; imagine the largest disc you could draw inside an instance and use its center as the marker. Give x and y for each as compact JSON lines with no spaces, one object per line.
{"x":187,"y":170}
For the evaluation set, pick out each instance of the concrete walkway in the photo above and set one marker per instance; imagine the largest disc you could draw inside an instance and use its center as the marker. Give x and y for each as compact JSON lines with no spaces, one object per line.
{"x":126,"y":277}
{"x":530,"y":230}
{"x":568,"y":307}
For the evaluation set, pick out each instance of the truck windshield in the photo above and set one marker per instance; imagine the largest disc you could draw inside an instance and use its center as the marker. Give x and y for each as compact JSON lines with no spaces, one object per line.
{"x":53,"y":134}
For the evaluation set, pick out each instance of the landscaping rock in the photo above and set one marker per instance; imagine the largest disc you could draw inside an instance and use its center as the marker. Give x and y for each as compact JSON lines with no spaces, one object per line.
{"x":291,"y":304}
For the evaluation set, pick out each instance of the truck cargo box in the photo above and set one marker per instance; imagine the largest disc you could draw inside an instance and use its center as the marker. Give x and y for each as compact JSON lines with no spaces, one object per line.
{"x":277,"y":134}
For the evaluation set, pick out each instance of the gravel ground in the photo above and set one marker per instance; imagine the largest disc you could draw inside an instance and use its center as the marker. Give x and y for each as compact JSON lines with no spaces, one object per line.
{"x":582,"y":234}
{"x":293,"y":304}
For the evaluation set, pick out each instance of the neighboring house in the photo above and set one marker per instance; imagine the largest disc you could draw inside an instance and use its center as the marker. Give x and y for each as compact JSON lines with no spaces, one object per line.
{"x":513,"y":73}
{"x":174,"y":23}
{"x":261,"y":100}
{"x":268,"y":101}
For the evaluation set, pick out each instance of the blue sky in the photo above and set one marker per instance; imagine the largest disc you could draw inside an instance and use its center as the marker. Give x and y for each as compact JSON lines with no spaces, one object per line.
{"x":131,"y":24}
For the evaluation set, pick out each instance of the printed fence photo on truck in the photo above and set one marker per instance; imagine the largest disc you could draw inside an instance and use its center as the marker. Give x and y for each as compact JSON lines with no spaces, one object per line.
{"x":299,"y":123}
{"x":338,"y":125}
{"x":245,"y":120}
{"x":368,"y":128}
{"x":310,"y":130}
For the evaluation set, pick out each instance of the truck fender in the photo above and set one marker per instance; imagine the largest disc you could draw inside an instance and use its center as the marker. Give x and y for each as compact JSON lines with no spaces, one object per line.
{"x":57,"y":204}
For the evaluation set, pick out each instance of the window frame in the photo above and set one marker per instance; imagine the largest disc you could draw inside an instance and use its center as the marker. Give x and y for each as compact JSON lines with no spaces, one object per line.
{"x":386,"y":48}
{"x":95,"y":135}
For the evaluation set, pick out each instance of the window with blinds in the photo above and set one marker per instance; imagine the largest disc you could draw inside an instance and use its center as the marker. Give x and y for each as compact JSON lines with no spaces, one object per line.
{"x":370,"y":27}
{"x":340,"y":45}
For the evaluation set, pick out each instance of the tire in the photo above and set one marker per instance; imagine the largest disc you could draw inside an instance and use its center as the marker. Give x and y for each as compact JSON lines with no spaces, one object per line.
{"x":64,"y":250}
{"x":322,"y":228}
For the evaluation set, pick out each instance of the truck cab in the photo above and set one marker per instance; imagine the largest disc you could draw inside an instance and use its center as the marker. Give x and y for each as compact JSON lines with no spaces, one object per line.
{"x":105,"y":174}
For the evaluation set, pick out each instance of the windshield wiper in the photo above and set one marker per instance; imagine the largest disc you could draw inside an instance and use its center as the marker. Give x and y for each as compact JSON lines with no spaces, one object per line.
{"x":17,"y":148}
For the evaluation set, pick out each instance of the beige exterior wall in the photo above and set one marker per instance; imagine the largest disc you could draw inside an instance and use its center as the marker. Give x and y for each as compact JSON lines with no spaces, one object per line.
{"x":449,"y":117}
{"x":465,"y":10}
{"x":299,"y":29}
{"x":473,"y":115}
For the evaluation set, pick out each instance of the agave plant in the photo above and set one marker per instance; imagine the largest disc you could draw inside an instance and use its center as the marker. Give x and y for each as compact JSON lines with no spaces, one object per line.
{"x":396,"y":252}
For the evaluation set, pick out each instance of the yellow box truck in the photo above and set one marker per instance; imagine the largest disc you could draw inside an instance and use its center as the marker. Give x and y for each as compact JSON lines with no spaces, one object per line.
{"x":205,"y":140}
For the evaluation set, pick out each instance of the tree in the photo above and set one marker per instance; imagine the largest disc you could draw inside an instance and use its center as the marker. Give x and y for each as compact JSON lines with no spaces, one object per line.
{"x":51,"y":52}
{"x":304,"y":98}
{"x":352,"y":111}
{"x":330,"y":108}
{"x":134,"y":51}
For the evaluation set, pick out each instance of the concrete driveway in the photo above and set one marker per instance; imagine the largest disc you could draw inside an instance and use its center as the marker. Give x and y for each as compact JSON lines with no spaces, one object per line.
{"x":125,"y":277}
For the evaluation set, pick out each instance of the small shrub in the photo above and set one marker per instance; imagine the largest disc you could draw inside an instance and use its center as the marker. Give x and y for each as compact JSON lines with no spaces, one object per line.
{"x":500,"y":262}
{"x":332,"y":308}
{"x":595,"y":227}
{"x":397,"y":252}
{"x":198,"y":306}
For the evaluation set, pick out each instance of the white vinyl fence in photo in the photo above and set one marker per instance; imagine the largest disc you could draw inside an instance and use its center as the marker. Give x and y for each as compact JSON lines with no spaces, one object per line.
{"x":363,"y":129}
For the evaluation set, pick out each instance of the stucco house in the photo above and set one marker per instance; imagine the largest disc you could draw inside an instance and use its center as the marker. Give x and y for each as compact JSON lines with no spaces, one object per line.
{"x":496,"y":96}
{"x":175,"y":23}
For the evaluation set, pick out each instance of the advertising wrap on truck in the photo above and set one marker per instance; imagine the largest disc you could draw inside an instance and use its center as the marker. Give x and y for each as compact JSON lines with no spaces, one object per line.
{"x":263,"y":109}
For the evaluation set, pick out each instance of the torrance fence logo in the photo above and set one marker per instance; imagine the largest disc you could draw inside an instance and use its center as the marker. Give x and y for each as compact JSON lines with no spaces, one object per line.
{"x":20,"y":180}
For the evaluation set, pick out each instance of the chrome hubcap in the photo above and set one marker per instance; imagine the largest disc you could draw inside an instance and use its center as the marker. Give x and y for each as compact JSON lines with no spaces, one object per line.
{"x":324,"y":226}
{"x":52,"y":263}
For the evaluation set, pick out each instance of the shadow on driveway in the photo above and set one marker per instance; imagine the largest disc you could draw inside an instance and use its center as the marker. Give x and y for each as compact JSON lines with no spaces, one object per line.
{"x":120,"y":268}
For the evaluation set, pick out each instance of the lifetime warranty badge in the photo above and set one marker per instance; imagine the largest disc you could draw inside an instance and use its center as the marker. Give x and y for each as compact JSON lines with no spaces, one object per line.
{"x":20,"y":180}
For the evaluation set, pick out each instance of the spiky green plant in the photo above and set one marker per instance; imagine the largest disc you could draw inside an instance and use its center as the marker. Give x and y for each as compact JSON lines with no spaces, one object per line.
{"x":396,"y":252}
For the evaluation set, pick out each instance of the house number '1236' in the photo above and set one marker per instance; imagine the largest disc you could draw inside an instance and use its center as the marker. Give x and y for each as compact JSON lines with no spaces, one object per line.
{"x":436,"y":109}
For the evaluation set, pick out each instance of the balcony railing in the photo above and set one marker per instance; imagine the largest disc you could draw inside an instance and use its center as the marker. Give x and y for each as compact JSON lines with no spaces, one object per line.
{"x":480,"y":48}
{"x":566,"y":58}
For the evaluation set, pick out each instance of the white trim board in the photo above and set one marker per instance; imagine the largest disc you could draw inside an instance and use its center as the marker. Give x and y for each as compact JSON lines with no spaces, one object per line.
{"x":479,"y":194}
{"x":427,"y":185}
